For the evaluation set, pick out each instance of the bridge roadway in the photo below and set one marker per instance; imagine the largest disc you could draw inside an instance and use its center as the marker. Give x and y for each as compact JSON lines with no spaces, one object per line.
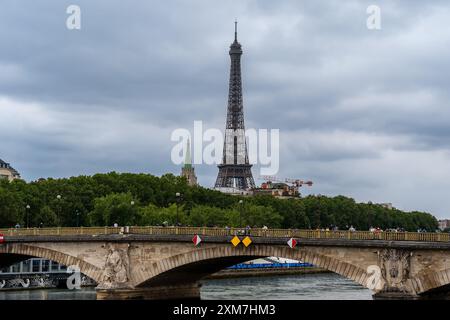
{"x":157,"y":262}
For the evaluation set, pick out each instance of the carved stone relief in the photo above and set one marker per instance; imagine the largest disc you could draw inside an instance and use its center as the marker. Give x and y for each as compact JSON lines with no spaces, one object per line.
{"x":395,"y":268}
{"x":116,"y":273}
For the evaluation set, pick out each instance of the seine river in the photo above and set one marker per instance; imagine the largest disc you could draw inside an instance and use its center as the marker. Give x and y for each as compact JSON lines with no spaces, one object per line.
{"x":322,"y":286}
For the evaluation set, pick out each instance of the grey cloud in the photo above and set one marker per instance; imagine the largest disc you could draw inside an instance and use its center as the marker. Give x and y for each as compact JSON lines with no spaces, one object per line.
{"x":107,"y":97}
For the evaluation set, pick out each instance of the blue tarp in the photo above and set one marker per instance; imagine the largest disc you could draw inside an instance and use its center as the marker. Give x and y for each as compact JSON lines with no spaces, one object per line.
{"x":270,"y":265}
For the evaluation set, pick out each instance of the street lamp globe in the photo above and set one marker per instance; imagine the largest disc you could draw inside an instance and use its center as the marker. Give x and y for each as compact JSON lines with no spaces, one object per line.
{"x":58,"y":197}
{"x":27,"y":211}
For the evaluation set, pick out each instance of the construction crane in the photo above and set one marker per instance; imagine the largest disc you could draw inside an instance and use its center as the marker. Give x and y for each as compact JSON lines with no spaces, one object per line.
{"x":270,"y":178}
{"x":299,"y":183}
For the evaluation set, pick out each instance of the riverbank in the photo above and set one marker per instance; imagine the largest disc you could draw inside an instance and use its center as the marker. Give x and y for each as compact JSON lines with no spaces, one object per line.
{"x":264,"y":272}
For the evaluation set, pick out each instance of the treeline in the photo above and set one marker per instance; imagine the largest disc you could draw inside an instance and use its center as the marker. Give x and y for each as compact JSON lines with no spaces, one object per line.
{"x":142,"y":199}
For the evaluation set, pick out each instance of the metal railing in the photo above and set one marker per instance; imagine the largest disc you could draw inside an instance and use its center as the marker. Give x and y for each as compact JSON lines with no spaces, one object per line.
{"x":59,"y":231}
{"x":255,"y":232}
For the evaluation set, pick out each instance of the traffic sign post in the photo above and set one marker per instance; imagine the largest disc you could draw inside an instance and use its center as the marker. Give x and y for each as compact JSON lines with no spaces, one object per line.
{"x":196,"y":240}
{"x":292,"y":243}
{"x":235,"y":241}
{"x":247,"y":241}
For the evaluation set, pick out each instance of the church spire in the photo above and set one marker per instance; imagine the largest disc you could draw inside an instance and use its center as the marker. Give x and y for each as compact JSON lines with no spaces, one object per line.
{"x":187,"y":170}
{"x":188,"y":160}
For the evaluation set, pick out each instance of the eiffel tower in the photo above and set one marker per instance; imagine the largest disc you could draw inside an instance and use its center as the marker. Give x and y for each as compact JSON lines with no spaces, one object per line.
{"x":235,"y":170}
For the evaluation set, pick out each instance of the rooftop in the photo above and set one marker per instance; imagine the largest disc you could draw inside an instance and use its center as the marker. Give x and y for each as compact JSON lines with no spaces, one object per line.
{"x":6,"y":165}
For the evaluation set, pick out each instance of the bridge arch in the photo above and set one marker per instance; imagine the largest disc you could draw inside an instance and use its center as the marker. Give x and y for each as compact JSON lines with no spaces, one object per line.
{"x":17,"y":252}
{"x":431,"y":281}
{"x":194,"y":265}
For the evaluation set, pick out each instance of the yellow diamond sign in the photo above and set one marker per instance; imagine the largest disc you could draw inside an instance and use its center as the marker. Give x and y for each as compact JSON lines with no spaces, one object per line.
{"x":247,"y":241}
{"x":235,"y":241}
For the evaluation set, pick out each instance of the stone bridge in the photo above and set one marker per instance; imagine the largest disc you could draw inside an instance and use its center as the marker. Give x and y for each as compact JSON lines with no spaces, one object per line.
{"x":162,"y":263}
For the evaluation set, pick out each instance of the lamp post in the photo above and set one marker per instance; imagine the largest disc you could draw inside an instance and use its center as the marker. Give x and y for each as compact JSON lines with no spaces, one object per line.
{"x":241,"y":205}
{"x":27,"y":209}
{"x":78,"y":217}
{"x":58,"y":197}
{"x":178,"y":196}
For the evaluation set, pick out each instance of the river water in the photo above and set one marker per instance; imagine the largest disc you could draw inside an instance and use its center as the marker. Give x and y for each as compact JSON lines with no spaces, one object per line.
{"x":321,"y":286}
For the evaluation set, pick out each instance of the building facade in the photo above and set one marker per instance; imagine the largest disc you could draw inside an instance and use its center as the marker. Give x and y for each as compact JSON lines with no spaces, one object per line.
{"x":444,"y":224}
{"x":277,"y":190}
{"x":7,"y":172}
{"x":37,"y":273}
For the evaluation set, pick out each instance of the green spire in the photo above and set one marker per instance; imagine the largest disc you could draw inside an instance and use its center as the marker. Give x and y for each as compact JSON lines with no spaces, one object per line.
{"x":187,"y":160}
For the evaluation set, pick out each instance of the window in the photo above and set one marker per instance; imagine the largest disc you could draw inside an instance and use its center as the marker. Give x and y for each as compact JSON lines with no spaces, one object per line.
{"x":36,"y":265}
{"x":54,"y":266}
{"x":15,"y":268}
{"x":45,"y":265}
{"x":26,"y":265}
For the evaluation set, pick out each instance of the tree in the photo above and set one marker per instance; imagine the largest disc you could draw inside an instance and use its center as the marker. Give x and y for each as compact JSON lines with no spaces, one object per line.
{"x":47,"y":217}
{"x":105,"y":199}
{"x":152,"y":215}
{"x":114,"y":208}
{"x":258,"y":216}
{"x":201,"y":215}
{"x":11,"y":208}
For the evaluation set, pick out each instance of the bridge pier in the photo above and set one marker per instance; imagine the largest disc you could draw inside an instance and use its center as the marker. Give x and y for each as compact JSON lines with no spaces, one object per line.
{"x":183,"y":291}
{"x":386,"y":295}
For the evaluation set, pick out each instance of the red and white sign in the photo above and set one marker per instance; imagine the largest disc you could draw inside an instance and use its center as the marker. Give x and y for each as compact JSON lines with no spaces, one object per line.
{"x":2,"y":238}
{"x":196,"y":240}
{"x":292,"y":243}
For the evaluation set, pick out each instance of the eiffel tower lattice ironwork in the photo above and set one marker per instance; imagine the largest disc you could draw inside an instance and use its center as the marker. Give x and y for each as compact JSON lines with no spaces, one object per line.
{"x":235,"y":170}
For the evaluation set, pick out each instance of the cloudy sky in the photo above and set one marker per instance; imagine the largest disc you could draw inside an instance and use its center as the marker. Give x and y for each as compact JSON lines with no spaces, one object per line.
{"x":363,"y":113}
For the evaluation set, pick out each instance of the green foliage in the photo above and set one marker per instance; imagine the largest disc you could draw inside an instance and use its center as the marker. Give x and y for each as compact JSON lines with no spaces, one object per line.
{"x":11,"y":211}
{"x":202,"y":215}
{"x":47,"y":217}
{"x":105,"y":199}
{"x":152,"y":215}
{"x":259,"y":216}
{"x":114,"y":208}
